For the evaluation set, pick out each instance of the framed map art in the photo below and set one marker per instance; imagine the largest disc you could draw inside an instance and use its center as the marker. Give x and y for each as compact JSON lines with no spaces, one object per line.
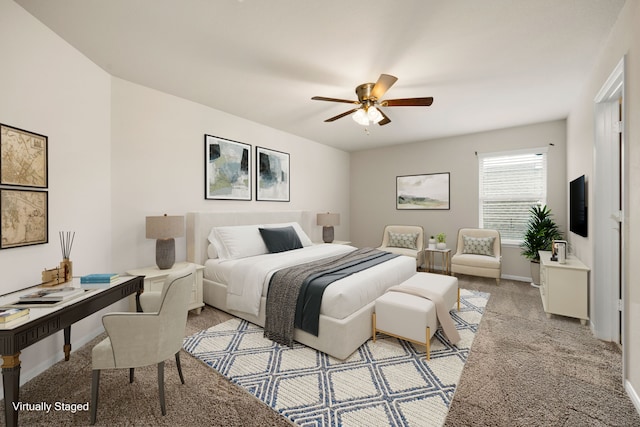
{"x":23,"y":169}
{"x":24,"y":216}
{"x":23,"y":158}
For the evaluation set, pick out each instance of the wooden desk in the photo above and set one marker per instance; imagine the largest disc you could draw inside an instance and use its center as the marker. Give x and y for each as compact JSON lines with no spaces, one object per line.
{"x":42,"y":322}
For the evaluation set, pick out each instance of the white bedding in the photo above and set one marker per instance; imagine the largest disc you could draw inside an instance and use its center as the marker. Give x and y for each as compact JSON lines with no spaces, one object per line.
{"x":247,"y":279}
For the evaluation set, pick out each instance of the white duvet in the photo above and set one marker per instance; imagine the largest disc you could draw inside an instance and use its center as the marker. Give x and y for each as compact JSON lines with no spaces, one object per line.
{"x":249,"y":279}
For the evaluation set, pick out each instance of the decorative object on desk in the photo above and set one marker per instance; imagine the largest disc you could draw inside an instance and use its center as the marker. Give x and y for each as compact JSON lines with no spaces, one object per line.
{"x":442,"y":241}
{"x":164,"y":229}
{"x":539,"y":236}
{"x":328,"y":221}
{"x":9,"y":314}
{"x":430,"y":191}
{"x":272,"y":175}
{"x":23,"y":218}
{"x":227,"y":169}
{"x":66,"y":243}
{"x":51,"y":295}
{"x":432,"y":242}
{"x":52,"y":277}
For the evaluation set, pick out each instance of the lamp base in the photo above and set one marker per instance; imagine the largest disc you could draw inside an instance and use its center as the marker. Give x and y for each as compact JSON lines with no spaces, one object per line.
{"x":165,"y":253}
{"x":327,"y":233}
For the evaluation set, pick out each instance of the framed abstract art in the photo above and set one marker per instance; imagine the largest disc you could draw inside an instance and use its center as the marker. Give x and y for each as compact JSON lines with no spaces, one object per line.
{"x":272,"y":175}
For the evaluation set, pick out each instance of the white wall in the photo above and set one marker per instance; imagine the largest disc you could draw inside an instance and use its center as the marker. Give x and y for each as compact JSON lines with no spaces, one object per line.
{"x":623,"y":40}
{"x":119,"y":152}
{"x":373,"y":184}
{"x":158,"y":167}
{"x":49,"y":88}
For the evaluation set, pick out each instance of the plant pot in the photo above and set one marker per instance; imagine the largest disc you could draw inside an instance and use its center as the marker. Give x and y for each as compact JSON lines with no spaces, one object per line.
{"x":441,"y":246}
{"x":432,"y":243}
{"x":535,"y":273}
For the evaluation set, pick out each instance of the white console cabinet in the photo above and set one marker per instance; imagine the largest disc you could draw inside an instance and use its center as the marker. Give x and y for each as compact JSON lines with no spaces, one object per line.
{"x":154,"y":280}
{"x":564,"y":287}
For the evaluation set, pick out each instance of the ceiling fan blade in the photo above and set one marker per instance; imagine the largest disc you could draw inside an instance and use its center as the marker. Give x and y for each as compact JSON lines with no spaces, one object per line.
{"x":339,"y":116}
{"x":385,"y":120}
{"x":322,"y":98}
{"x":408,"y":102}
{"x":385,"y":81}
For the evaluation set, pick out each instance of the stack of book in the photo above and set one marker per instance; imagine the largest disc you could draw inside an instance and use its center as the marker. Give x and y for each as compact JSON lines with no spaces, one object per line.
{"x":50,"y":296}
{"x":9,"y":314}
{"x":98,"y":280}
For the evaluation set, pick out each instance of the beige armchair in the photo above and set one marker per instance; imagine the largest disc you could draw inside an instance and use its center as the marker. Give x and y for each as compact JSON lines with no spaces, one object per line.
{"x":404,"y":240}
{"x":148,"y":338}
{"x":478,"y":253}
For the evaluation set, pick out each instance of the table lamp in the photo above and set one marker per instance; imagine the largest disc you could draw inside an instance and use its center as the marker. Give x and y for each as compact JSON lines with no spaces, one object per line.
{"x":164,"y":229}
{"x":327,"y":221}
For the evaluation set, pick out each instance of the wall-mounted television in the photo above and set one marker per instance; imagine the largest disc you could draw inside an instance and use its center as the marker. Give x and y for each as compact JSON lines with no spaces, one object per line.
{"x":578,"y":218}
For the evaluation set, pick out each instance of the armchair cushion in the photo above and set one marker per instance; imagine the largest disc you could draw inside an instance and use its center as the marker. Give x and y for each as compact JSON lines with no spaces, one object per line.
{"x":402,"y":240}
{"x":478,"y":245}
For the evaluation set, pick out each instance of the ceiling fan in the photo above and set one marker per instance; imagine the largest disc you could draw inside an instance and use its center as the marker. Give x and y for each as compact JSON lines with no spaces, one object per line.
{"x":369,"y":102}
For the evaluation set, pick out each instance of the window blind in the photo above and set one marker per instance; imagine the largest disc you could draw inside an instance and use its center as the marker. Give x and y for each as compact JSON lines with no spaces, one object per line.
{"x":510,"y":184}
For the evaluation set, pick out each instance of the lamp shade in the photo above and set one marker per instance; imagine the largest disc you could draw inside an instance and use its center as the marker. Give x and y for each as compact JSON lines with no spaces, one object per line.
{"x":165,"y":227}
{"x":328,"y":219}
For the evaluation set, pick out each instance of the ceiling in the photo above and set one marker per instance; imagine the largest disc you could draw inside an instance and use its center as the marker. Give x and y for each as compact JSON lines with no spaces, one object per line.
{"x":488,"y":64}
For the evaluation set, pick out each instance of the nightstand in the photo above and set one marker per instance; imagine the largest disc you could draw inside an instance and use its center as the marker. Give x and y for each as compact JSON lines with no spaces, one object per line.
{"x":154,"y":280}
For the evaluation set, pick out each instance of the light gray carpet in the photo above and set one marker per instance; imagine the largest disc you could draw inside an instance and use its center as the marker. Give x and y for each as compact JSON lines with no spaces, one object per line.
{"x":524,"y":370}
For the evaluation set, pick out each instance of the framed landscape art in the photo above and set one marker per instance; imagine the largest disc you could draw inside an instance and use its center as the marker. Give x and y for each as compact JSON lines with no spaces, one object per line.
{"x":227,"y":174}
{"x":429,"y":191}
{"x":23,"y":218}
{"x":23,"y":158}
{"x":272,"y":179}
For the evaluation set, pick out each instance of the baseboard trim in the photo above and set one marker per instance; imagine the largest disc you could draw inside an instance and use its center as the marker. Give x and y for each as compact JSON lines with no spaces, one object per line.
{"x":516,"y":278}
{"x":635,"y":399}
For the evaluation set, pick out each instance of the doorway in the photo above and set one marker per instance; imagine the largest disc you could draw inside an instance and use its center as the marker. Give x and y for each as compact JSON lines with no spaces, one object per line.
{"x":608,"y":201}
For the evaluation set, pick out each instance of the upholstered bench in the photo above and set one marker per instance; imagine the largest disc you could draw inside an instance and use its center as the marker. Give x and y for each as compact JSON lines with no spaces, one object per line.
{"x":410,"y":317}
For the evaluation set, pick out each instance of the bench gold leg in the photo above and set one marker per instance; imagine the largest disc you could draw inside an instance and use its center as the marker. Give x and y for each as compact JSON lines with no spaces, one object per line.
{"x":428,"y":343}
{"x":373,"y":320}
{"x":458,"y":299}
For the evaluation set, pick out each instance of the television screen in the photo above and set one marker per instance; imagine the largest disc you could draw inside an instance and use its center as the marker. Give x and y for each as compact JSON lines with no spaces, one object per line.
{"x":578,"y":206}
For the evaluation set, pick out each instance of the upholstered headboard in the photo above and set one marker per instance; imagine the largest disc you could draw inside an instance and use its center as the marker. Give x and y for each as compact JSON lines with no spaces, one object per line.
{"x":199,"y":226}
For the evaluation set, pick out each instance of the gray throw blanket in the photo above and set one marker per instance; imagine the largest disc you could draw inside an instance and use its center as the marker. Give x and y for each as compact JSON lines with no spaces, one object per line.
{"x":284,"y":289}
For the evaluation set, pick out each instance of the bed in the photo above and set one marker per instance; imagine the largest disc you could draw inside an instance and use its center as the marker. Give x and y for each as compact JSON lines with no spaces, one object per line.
{"x":237,"y":282}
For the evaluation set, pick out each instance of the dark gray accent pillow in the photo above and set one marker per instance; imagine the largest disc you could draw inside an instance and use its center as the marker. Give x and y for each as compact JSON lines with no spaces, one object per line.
{"x":280,"y":239}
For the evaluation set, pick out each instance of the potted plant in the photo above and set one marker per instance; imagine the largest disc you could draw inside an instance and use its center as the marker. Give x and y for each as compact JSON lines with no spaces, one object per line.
{"x":442,"y":241}
{"x":540,"y":234}
{"x":432,"y":242}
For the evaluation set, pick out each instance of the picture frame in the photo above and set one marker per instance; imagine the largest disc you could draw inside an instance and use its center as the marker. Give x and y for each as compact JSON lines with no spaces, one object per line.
{"x":23,"y":158}
{"x":272,"y":175}
{"x":227,"y":169}
{"x":24,"y":217}
{"x":423,"y":192}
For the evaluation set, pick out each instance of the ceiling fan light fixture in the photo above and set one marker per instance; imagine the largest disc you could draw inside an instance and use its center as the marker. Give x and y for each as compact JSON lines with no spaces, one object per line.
{"x":374,"y":115}
{"x":361,"y":117}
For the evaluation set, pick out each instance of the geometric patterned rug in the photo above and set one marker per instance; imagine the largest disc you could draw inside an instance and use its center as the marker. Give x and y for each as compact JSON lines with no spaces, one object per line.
{"x":386,"y":383}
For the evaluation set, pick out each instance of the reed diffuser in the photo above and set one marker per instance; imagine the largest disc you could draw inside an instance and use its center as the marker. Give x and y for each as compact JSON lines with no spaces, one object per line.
{"x":66,"y":243}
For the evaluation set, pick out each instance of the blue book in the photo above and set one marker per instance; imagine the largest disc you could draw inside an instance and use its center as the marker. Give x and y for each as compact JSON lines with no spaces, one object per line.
{"x":99,"y":278}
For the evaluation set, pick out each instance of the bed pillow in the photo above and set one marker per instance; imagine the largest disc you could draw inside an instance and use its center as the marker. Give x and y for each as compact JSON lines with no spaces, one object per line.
{"x":304,"y":238}
{"x":212,"y":253}
{"x":280,"y":239}
{"x":477,"y":245}
{"x":238,"y":241}
{"x":400,"y":240}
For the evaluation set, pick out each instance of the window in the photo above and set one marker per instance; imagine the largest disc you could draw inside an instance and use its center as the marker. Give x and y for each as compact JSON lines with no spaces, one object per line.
{"x":510,"y":184}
